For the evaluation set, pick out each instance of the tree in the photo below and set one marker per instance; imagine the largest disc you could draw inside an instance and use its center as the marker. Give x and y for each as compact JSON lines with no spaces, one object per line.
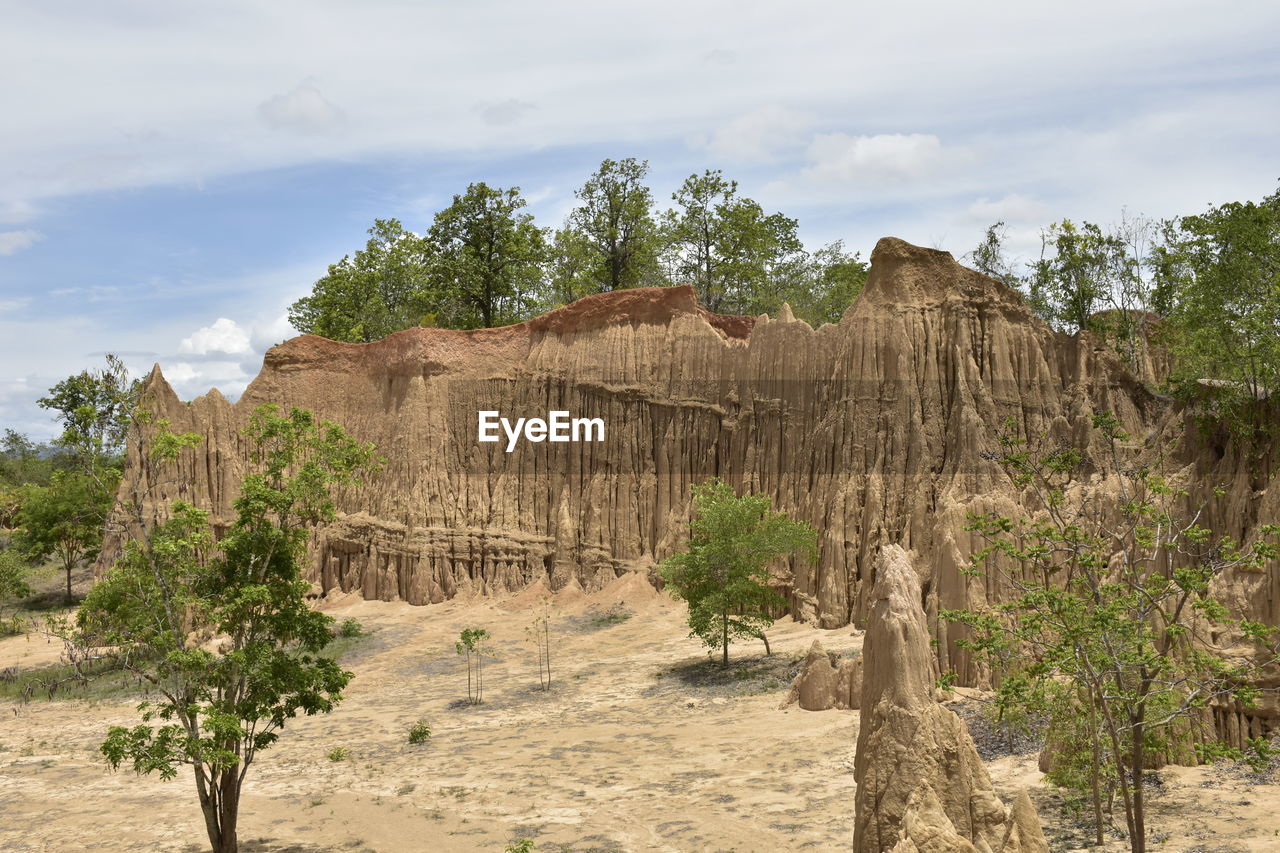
{"x":95,"y":407}
{"x":13,"y":584}
{"x":614,"y":220}
{"x":1218,"y":283}
{"x":726,"y":246}
{"x":382,"y":289}
{"x":472,"y":644}
{"x":990,"y":259}
{"x":1112,"y":627}
{"x":64,"y":519}
{"x":489,"y":256}
{"x":819,"y":286}
{"x":221,"y":630}
{"x":539,"y":633}
{"x":724,"y":572}
{"x":23,"y":462}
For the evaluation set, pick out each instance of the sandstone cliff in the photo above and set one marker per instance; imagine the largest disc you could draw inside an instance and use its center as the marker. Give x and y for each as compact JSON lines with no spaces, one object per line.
{"x":871,"y":429}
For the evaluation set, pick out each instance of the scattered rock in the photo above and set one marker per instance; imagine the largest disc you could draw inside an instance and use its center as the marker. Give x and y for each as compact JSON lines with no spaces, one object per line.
{"x":820,"y":686}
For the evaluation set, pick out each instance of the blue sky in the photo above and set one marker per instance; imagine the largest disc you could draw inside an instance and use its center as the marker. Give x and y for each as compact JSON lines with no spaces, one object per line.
{"x":172,"y":176}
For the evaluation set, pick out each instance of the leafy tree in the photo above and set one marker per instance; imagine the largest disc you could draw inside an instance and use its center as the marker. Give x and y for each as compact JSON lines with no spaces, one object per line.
{"x":615,"y":226}
{"x":726,"y":246}
{"x":819,"y":287}
{"x":23,"y":462}
{"x":221,"y":631}
{"x":570,"y":270}
{"x":64,"y":519}
{"x":13,"y":584}
{"x":472,"y":644}
{"x":1218,"y":283}
{"x":724,"y":573}
{"x":95,"y":407}
{"x":489,"y":256}
{"x":990,"y":259}
{"x":1112,"y":628}
{"x":382,"y":289}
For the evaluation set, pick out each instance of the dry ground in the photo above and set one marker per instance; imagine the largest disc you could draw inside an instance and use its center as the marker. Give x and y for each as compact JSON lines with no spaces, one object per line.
{"x":640,"y":745}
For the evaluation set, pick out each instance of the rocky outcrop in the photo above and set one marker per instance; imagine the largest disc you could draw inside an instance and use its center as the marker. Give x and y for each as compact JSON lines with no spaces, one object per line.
{"x":872,"y":429}
{"x":824,"y":684}
{"x":921,"y":783}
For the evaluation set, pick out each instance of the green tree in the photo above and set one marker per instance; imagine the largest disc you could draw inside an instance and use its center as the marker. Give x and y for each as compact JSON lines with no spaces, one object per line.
{"x":819,"y":286}
{"x":222,"y":631}
{"x":13,"y":585}
{"x":991,"y":259}
{"x":23,"y":462}
{"x":472,"y":644}
{"x":382,"y":289}
{"x":1084,"y":269}
{"x":490,"y":256}
{"x":1112,"y":627}
{"x":615,"y":222}
{"x":95,"y":408}
{"x":1218,"y":284}
{"x":64,"y":519}
{"x":726,"y":246}
{"x":723,"y":574}
{"x":571,"y":269}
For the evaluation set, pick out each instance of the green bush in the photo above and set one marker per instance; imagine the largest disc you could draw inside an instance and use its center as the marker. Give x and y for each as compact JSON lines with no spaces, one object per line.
{"x":420,"y":733}
{"x":339,"y":753}
{"x":350,"y":628}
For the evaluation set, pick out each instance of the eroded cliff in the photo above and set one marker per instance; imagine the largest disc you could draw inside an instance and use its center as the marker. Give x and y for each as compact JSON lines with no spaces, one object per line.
{"x":872,"y":429}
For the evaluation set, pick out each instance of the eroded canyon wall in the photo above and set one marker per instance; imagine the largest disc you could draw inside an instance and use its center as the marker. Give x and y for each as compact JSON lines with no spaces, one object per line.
{"x":872,"y":429}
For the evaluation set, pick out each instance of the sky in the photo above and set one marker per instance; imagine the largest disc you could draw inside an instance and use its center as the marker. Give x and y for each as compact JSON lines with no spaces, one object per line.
{"x":174,"y":175}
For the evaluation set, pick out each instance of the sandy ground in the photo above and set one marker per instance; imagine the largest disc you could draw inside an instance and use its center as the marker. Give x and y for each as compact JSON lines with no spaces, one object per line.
{"x":638,"y":746}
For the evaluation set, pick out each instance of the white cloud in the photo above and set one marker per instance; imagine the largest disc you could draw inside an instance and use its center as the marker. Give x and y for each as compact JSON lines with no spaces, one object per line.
{"x":224,"y":336}
{"x":14,"y":304}
{"x":509,"y":111}
{"x":878,"y":160}
{"x":266,"y":335}
{"x":1011,"y":208}
{"x":15,"y":212}
{"x":16,"y":241}
{"x":759,"y":136}
{"x":304,"y":110}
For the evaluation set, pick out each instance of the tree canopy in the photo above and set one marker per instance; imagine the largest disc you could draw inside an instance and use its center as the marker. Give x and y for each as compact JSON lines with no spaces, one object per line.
{"x":724,"y":572}
{"x":382,"y":289}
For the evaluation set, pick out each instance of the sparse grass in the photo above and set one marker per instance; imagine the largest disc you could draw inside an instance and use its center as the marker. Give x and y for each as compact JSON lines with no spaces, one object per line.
{"x":615,"y":615}
{"x":344,"y":645}
{"x":101,"y":680}
{"x":339,"y":753}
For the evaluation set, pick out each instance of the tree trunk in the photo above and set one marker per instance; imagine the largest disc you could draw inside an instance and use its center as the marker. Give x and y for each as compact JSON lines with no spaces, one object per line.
{"x":1138,"y":843}
{"x":70,"y":598}
{"x":229,"y":809}
{"x":210,"y":810}
{"x":724,"y":623}
{"x":767,"y":650}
